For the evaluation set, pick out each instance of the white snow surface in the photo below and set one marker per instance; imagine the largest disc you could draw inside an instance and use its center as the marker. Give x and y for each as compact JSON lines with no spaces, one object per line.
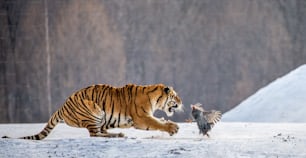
{"x":283,"y":100}
{"x":226,"y":140}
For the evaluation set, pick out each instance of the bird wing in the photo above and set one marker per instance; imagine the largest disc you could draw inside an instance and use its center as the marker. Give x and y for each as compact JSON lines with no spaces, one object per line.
{"x":212,"y":116}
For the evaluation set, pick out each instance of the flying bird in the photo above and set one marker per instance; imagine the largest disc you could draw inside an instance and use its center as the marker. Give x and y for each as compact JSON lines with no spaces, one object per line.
{"x":205,"y":119}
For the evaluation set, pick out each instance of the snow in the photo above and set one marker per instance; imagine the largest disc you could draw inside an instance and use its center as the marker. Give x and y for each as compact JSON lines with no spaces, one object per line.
{"x":283,"y":100}
{"x":226,"y":140}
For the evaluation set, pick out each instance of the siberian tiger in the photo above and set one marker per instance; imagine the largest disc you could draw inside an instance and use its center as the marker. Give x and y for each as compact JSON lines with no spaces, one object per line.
{"x":101,"y":107}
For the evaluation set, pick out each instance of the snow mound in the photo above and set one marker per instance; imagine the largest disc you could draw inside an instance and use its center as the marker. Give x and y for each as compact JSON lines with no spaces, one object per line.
{"x":283,"y":100}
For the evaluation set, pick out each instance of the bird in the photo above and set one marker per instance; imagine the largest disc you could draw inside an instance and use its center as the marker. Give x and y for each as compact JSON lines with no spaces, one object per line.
{"x":205,"y":119}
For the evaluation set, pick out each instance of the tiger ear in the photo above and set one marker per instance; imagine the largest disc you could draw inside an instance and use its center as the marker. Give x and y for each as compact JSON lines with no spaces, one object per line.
{"x":167,"y":90}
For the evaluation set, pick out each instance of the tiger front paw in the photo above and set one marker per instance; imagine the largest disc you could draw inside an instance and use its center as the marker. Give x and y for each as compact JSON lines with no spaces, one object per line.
{"x":171,"y":127}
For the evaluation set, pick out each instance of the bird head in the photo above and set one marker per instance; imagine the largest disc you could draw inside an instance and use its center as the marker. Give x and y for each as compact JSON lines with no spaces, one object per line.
{"x":196,"y":110}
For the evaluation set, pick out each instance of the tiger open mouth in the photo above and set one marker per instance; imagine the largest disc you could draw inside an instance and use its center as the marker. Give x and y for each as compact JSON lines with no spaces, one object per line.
{"x":173,"y":108}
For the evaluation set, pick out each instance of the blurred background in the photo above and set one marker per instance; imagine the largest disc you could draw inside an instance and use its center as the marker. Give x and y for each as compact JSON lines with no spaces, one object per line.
{"x":215,"y":52}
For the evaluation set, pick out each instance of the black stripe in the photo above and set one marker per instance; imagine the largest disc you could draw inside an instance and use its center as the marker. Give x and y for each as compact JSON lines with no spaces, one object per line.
{"x":48,"y":128}
{"x":71,"y":116}
{"x":135,"y":103}
{"x":92,"y":126}
{"x":151,"y":102}
{"x":111,"y":95}
{"x":104,"y":108}
{"x":165,"y":103}
{"x":119,"y":119}
{"x":97,"y":93}
{"x":67,"y":106}
{"x":153,"y":90}
{"x":113,"y":124}
{"x":125,"y":114}
{"x":99,"y":90}
{"x":93,"y":129}
{"x":83,"y":94}
{"x":51,"y":122}
{"x":103,"y":105}
{"x":54,"y":119}
{"x":130,"y":92}
{"x":125,"y":102}
{"x":92,"y":94}
{"x":104,"y":90}
{"x":44,"y":133}
{"x":71,"y":100}
{"x":70,"y":106}
{"x":58,"y":116}
{"x":120,"y":104}
{"x":83,"y":109}
{"x":61,"y":113}
{"x":159,"y":98}
{"x":111,"y":116}
{"x":86,"y":116}
{"x":144,"y":110}
{"x":104,"y":99}
{"x":143,"y":90}
{"x":72,"y":119}
{"x":85,"y":90}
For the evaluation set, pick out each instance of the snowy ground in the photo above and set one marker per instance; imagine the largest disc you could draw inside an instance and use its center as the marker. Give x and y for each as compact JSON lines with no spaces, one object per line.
{"x":227,"y":140}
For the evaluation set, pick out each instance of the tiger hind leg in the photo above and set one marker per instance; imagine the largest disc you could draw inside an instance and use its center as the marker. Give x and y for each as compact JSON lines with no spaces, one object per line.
{"x":94,"y":130}
{"x":95,"y":121}
{"x":126,"y":123}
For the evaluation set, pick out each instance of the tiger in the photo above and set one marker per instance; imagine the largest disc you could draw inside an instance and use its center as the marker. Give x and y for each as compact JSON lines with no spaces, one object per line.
{"x":101,"y":107}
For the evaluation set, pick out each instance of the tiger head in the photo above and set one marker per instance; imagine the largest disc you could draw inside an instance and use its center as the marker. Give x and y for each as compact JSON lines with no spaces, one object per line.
{"x":172,"y":103}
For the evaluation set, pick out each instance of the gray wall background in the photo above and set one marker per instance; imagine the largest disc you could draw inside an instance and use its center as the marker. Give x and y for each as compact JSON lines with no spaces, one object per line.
{"x":216,"y":52}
